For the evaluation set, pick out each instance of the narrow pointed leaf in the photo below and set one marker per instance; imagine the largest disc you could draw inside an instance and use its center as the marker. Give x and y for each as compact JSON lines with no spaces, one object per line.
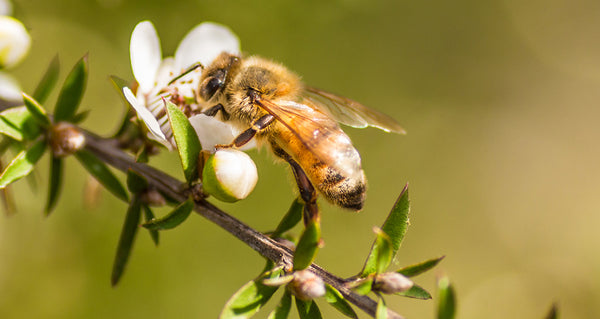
{"x":381,"y":254}
{"x":22,"y":164}
{"x":48,"y":81}
{"x":128,"y":232}
{"x":37,"y":111}
{"x":308,"y":309}
{"x":397,"y":221}
{"x":249,"y":299}
{"x":102,"y":173}
{"x":364,"y":286}
{"x":335,"y":298}
{"x":381,"y":312}
{"x":136,"y":183}
{"x":55,"y":183}
{"x":19,"y":124}
{"x":447,"y":299}
{"x":416,"y":292}
{"x":283,"y":308}
{"x":149,"y":215}
{"x":395,"y":227}
{"x":291,"y":218}
{"x":417,"y":269}
{"x":80,"y":117}
{"x":553,"y":313}
{"x":278,"y":281}
{"x":187,"y":141}
{"x":119,"y":83}
{"x":308,"y":245}
{"x":72,"y":91}
{"x":173,"y":219}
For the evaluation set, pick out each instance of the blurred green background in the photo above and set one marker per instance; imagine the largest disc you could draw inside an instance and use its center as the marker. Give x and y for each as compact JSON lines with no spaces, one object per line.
{"x":501,"y":103}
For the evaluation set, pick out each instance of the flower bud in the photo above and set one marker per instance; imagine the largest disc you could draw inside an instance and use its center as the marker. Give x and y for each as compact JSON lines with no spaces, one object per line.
{"x":392,"y":282}
{"x":14,"y":41}
{"x":306,"y":285}
{"x":65,"y":139}
{"x":229,"y":175}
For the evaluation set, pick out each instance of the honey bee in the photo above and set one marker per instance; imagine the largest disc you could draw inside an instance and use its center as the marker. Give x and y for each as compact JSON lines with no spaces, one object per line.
{"x":269,"y":103}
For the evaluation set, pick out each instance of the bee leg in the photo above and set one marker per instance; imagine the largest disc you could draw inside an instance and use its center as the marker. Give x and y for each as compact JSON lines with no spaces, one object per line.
{"x":248,"y":134}
{"x":306,"y":188}
{"x":214,"y":110}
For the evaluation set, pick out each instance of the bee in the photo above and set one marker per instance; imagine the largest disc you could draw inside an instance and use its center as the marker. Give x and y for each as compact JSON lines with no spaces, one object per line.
{"x":299,"y":123}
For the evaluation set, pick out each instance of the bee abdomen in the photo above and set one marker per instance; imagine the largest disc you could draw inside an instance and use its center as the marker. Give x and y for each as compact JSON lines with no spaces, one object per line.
{"x":345,"y":191}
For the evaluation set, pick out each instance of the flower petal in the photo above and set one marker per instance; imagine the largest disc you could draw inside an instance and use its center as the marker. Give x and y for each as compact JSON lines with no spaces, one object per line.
{"x":146,"y":117}
{"x":9,"y":89}
{"x":211,"y":131}
{"x":145,"y":54}
{"x":204,"y":43}
{"x":165,"y":73}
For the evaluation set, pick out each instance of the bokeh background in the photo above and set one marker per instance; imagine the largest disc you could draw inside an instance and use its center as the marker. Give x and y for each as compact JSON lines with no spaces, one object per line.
{"x":500,"y":99}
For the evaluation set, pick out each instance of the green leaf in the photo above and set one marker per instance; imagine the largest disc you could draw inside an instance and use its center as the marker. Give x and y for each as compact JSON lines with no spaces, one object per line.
{"x":397,"y":221}
{"x":19,"y":124}
{"x":381,"y":312}
{"x":447,"y":300}
{"x":335,"y":298}
{"x":174,"y":218}
{"x":394,"y":227}
{"x":417,"y":269}
{"x":363,"y":286}
{"x":308,"y":245}
{"x":80,"y":117}
{"x":22,"y":164}
{"x":308,"y":309}
{"x":128,"y":232}
{"x":187,"y":141}
{"x":136,"y":183}
{"x":55,"y":183}
{"x":149,"y":215}
{"x":43,"y":89}
{"x":72,"y":91}
{"x":118,"y":84}
{"x":553,"y":313}
{"x":416,"y":292}
{"x":36,"y":110}
{"x":291,"y":218}
{"x":283,"y":308}
{"x":248,"y":300}
{"x":102,"y":173}
{"x":381,"y":254}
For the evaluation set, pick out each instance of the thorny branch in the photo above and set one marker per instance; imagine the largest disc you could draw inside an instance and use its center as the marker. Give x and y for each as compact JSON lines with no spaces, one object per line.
{"x":106,"y":151}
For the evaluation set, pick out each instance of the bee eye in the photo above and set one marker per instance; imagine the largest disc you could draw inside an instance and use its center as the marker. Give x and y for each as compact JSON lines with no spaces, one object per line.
{"x":210,"y":86}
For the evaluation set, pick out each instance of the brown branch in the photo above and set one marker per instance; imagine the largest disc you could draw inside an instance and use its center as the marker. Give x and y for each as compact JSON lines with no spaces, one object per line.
{"x":105,"y":150}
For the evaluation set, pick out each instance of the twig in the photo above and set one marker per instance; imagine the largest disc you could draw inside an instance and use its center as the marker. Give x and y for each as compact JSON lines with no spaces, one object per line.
{"x":105,"y":150}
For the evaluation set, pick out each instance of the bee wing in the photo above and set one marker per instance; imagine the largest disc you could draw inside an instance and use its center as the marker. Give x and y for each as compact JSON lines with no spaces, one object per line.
{"x":350,"y":112}
{"x":321,"y":135}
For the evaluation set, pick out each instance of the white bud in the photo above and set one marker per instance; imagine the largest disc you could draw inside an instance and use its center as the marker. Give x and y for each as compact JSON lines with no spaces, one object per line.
{"x":5,"y":8}
{"x":14,"y":41}
{"x":65,"y":139}
{"x":392,"y":282}
{"x":306,"y":285}
{"x":229,"y":175}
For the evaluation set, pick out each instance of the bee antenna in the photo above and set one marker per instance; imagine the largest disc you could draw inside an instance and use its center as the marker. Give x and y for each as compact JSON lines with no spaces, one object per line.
{"x":187,"y":71}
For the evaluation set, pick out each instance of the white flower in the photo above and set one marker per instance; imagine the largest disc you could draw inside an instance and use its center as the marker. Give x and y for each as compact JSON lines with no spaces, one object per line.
{"x":153,"y":74}
{"x":14,"y":41}
{"x":229,"y":175}
{"x":5,"y":8}
{"x":10,"y":91}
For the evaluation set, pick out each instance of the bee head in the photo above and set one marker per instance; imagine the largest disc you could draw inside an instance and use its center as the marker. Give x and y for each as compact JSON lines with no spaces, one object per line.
{"x":216,"y":75}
